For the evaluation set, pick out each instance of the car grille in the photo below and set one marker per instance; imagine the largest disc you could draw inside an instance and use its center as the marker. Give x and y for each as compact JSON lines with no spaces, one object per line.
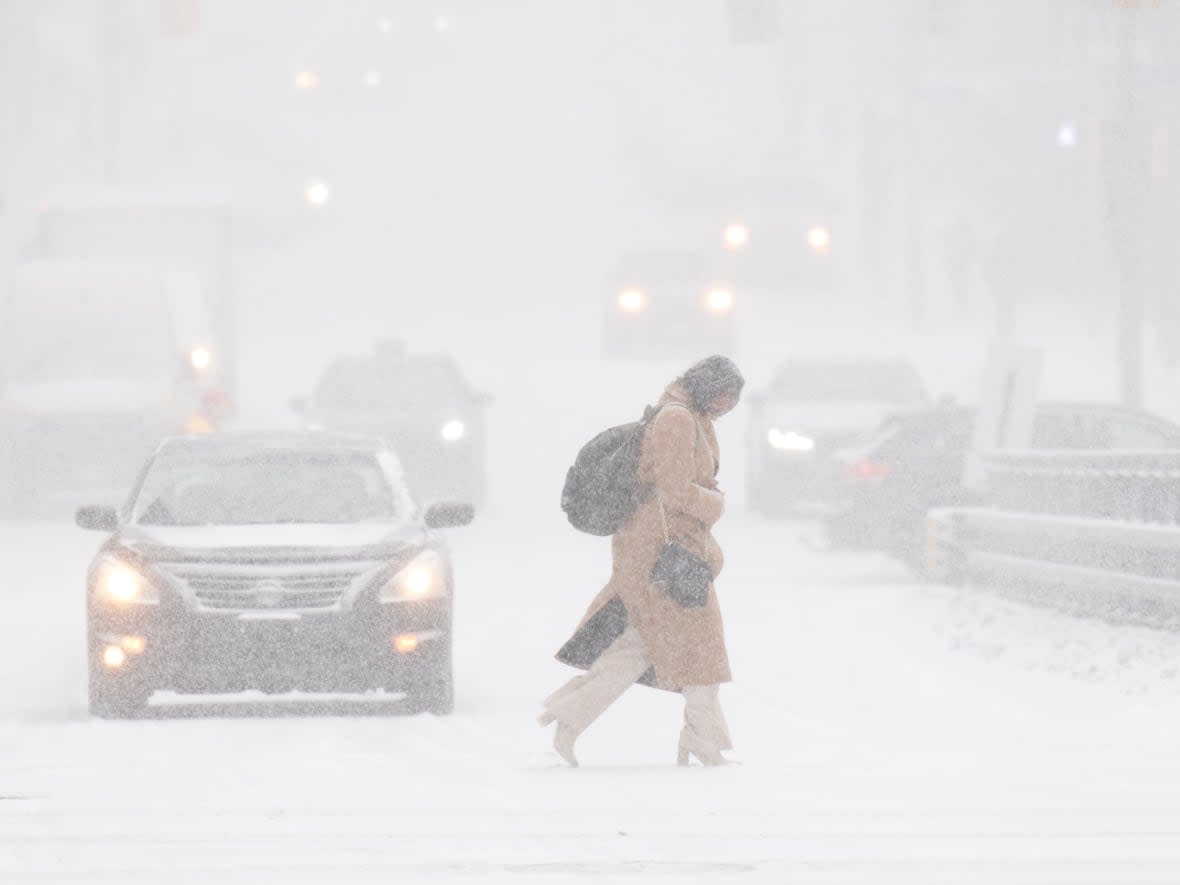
{"x":245,"y":590}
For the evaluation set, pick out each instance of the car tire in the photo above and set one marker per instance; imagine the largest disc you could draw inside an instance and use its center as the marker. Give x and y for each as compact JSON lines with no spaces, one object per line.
{"x":106,"y":702}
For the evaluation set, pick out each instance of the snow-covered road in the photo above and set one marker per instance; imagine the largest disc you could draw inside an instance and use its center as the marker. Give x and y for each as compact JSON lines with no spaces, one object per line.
{"x":887,"y":732}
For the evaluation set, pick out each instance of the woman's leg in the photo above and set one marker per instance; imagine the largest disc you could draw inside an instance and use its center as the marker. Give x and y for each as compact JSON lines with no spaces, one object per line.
{"x":705,"y":733}
{"x":584,"y":698}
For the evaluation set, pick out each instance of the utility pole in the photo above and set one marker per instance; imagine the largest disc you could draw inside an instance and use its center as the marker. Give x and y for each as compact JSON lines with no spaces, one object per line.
{"x":111,"y":61}
{"x":1126,"y":155}
{"x":913,"y":275}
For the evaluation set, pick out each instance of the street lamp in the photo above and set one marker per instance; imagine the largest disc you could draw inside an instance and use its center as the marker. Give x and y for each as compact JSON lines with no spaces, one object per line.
{"x":307,"y":80}
{"x":317,"y":193}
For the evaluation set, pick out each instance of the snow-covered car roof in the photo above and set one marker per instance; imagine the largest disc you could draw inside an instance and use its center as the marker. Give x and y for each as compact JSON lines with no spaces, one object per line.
{"x":247,"y":442}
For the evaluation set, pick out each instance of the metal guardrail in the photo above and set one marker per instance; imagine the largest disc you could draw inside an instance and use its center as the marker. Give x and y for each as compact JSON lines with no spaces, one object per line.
{"x":1092,"y":533}
{"x":1131,"y":486}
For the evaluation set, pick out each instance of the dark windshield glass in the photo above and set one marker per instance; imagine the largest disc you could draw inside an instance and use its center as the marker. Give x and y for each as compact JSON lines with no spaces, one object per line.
{"x":266,"y":488}
{"x":403,"y":384}
{"x":869,"y":382}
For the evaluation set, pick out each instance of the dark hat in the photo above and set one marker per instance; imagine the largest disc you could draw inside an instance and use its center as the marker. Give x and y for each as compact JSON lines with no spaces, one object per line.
{"x":709,"y":379}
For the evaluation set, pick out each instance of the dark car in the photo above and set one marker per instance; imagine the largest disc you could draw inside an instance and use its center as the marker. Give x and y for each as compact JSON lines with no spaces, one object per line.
{"x":883,"y":488}
{"x":811,"y":409}
{"x":277,"y":562}
{"x":668,"y":304}
{"x":421,"y":404}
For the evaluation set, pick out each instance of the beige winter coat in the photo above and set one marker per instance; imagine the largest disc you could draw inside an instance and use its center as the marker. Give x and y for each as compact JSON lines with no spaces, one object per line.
{"x":679,"y":462}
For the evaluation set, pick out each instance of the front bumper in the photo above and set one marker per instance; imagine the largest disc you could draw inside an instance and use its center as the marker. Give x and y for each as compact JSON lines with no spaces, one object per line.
{"x":334,"y":651}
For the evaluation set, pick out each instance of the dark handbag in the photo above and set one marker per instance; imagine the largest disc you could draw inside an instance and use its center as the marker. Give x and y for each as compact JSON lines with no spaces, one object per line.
{"x":684,"y":575}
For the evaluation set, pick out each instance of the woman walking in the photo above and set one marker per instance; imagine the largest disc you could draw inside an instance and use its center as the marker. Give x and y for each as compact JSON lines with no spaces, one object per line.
{"x":641,"y":627}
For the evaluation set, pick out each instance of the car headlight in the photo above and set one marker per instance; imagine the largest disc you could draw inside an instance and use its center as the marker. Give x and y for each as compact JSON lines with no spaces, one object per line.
{"x":453,"y":431}
{"x":819,"y":240}
{"x":789,"y":440}
{"x":201,"y":359}
{"x":422,"y":578}
{"x":120,"y":583}
{"x":719,"y":300}
{"x":632,"y":300}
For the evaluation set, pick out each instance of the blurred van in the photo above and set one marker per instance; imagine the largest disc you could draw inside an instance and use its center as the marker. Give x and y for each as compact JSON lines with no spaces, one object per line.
{"x":98,"y":362}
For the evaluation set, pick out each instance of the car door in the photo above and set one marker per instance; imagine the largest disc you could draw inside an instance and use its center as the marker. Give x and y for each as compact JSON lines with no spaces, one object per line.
{"x":1135,"y":433}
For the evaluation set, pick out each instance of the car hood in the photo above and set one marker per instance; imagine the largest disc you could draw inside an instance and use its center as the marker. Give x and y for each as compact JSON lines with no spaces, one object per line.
{"x":327,"y":541}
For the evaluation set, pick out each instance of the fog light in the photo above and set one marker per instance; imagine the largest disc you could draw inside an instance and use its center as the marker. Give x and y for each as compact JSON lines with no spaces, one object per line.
{"x":113,"y":657}
{"x":406,"y":643}
{"x":133,"y":645}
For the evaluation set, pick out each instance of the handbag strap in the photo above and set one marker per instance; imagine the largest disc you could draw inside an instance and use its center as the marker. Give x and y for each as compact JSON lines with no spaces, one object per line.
{"x":696,"y":439}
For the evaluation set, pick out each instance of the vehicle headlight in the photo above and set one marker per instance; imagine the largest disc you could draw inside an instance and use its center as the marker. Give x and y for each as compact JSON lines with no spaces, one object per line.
{"x":632,"y":301}
{"x":119,"y":583}
{"x":736,"y":237}
{"x":719,"y":300}
{"x":453,"y":431}
{"x":819,"y":240}
{"x":789,"y":440}
{"x":201,"y":358}
{"x":423,"y":578}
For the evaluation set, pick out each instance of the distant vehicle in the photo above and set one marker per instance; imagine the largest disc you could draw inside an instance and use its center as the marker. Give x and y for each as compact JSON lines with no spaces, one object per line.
{"x":883,"y":488}
{"x":276,"y":562}
{"x":667,"y":304}
{"x":187,"y":236}
{"x":811,"y":409}
{"x":421,"y":404}
{"x":94,"y":371}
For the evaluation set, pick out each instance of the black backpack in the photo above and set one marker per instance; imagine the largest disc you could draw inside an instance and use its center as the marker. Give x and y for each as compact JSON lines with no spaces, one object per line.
{"x":602,"y":490}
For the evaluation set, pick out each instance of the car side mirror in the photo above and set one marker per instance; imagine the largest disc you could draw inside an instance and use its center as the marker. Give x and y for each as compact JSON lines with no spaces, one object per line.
{"x":449,"y":515}
{"x":96,"y":518}
{"x":298,"y":404}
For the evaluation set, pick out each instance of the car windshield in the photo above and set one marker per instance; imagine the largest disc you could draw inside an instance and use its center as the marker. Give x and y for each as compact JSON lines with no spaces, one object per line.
{"x":867,"y":382}
{"x":58,"y":334}
{"x":663,"y":267}
{"x":265,"y":488}
{"x":401,"y":385}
